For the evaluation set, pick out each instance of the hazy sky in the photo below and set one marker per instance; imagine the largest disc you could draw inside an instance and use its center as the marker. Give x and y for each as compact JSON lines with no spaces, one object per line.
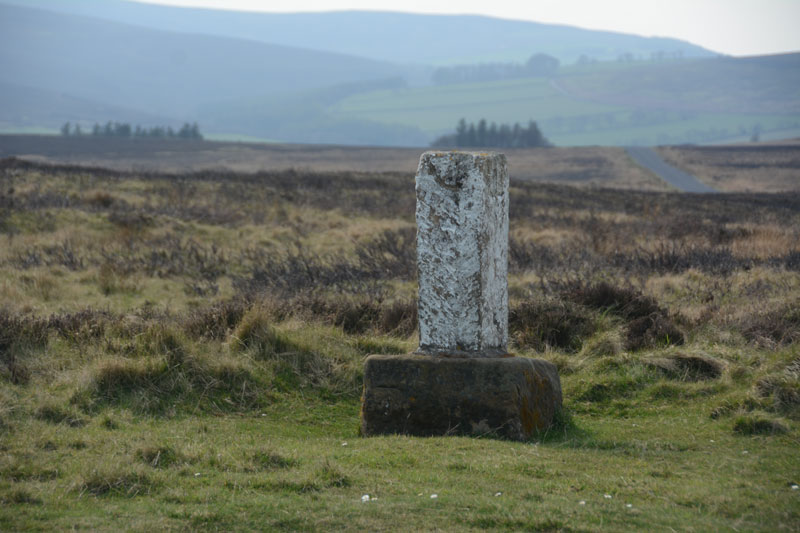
{"x":736,"y":27}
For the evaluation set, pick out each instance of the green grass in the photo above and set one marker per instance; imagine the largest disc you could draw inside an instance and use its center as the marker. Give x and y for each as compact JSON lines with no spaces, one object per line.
{"x":152,"y":428}
{"x":566,"y":121}
{"x":604,"y":104}
{"x":638,"y":460}
{"x":156,"y":375}
{"x":436,"y":109}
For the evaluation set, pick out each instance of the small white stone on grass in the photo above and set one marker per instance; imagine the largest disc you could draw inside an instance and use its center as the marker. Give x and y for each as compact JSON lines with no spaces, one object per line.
{"x":607,"y":496}
{"x":498,"y":493}
{"x":795,"y":487}
{"x":629,"y":505}
{"x":365,"y":498}
{"x":582,"y":502}
{"x":344,"y":444}
{"x":434,"y":496}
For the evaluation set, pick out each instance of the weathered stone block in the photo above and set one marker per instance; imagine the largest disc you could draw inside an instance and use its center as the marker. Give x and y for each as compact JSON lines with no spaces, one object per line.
{"x":510,"y":397}
{"x":462,"y":381}
{"x":462,"y":253}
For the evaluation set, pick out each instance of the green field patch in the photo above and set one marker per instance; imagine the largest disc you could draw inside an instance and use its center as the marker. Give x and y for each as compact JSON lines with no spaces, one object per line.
{"x":572,"y":109}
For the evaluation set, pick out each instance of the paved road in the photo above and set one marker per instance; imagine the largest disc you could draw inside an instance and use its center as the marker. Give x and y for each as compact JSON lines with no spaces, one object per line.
{"x":649,"y":158}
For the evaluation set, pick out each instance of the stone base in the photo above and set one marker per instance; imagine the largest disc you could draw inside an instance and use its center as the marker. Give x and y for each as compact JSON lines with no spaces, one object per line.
{"x":413,"y":394}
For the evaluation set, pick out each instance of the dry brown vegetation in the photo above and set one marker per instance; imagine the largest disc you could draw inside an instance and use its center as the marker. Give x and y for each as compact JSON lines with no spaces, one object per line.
{"x":741,"y":168}
{"x":601,"y":166}
{"x":339,"y":247}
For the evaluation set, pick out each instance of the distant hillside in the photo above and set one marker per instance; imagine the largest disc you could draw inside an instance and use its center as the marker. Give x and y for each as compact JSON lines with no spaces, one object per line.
{"x":693,"y":101}
{"x":26,"y":107}
{"x":395,"y":37}
{"x":762,"y":84}
{"x":303,"y":117}
{"x":59,"y":65}
{"x":158,"y":72}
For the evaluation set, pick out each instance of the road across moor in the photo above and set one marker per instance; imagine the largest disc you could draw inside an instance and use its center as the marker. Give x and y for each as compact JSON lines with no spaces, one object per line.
{"x":648,"y":158}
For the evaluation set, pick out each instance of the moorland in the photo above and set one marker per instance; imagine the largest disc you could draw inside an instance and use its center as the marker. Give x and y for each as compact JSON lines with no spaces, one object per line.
{"x":182,"y":349}
{"x":742,"y":167}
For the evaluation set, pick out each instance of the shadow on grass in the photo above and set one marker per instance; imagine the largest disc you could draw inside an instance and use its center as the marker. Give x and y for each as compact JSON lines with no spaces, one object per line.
{"x":564,"y":430}
{"x":566,"y":433}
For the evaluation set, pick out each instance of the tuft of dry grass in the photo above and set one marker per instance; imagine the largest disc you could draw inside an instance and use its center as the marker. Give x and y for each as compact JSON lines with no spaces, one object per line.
{"x":689,"y":367}
{"x":116,"y":483}
{"x":653,"y":331}
{"x":163,"y":374}
{"x":773,"y":327}
{"x":550,"y":324}
{"x":753,"y":424}
{"x":627,"y":302}
{"x":158,"y":456}
{"x":57,"y":414}
{"x":265,"y":460}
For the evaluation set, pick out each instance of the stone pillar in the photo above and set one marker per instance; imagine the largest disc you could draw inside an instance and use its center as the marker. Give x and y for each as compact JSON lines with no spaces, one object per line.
{"x":461,"y":380}
{"x":462,"y":253}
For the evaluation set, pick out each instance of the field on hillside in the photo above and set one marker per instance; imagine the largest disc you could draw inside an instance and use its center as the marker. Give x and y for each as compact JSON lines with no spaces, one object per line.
{"x":605,"y":104}
{"x":185,"y":351}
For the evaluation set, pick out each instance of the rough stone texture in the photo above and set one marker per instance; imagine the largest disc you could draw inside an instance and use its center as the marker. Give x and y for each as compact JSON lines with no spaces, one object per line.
{"x":462,"y":253}
{"x":512,"y":397}
{"x":462,"y":381}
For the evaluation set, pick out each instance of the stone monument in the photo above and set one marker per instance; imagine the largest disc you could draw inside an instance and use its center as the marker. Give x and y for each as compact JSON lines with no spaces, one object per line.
{"x":461,"y":380}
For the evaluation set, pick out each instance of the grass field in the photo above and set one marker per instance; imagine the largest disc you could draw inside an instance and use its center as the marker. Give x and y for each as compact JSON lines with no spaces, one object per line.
{"x":438,"y":108}
{"x":184,"y":352}
{"x":754,"y":85}
{"x":565,"y":120}
{"x":605,"y":104}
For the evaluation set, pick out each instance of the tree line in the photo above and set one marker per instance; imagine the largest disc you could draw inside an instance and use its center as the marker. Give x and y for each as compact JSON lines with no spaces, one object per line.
{"x":537,"y":65}
{"x":493,"y":136}
{"x":124,"y":130}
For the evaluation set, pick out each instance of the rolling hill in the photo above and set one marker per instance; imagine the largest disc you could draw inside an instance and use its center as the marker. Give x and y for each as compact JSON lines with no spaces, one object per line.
{"x":32,"y":109}
{"x":158,"y":72}
{"x":761,"y":84}
{"x":60,"y":65}
{"x":691,"y":101}
{"x":396,"y":37}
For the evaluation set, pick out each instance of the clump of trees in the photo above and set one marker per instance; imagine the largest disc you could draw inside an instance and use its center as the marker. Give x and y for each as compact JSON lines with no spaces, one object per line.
{"x":537,"y":65}
{"x":124,"y":130}
{"x":493,"y":136}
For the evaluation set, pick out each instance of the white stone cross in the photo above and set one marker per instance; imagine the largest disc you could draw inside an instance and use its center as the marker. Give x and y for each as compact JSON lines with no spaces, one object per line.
{"x":462,"y":253}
